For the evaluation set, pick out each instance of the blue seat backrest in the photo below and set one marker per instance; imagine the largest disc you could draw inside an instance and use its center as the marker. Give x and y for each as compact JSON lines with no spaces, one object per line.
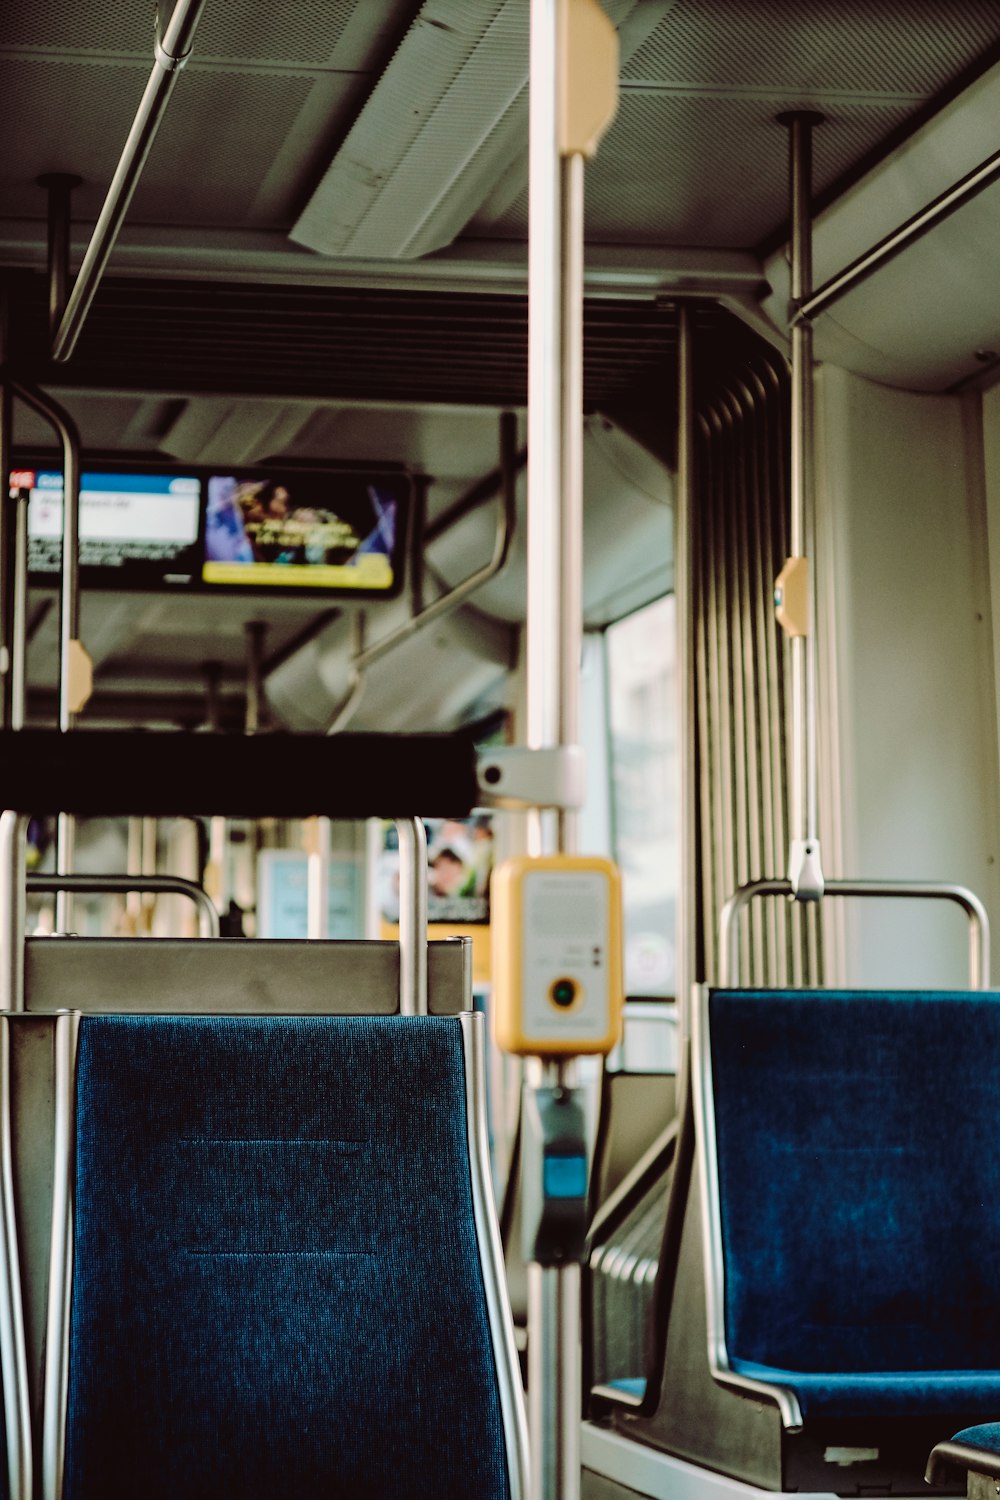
{"x":277,"y":1288}
{"x":859,"y":1175}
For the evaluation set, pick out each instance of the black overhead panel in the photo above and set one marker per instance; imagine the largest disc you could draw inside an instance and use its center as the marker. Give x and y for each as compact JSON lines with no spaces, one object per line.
{"x":344,"y":343}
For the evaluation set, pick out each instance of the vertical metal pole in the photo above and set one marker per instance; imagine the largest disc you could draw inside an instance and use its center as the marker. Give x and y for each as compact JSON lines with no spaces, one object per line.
{"x":133,"y":866}
{"x":554,"y":631}
{"x":13,"y":1351}
{"x":149,"y":833}
{"x":412,"y":916}
{"x":58,"y":186}
{"x":55,"y":1386}
{"x":6,"y":559}
{"x":553,"y":1404}
{"x":570,"y":492}
{"x":318,"y":887}
{"x":255,"y":721}
{"x":19,"y":616}
{"x":545,"y":396}
{"x":69,"y":633}
{"x":217,"y":827}
{"x":418,"y":524}
{"x":256,"y":706}
{"x":373,"y":841}
{"x":69,"y":594}
{"x":218,"y":852}
{"x":686,"y":691}
{"x":69,"y":608}
{"x":13,"y":827}
{"x":805,"y":871}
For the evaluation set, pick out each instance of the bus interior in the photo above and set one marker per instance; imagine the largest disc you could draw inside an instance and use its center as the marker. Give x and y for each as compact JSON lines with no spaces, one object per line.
{"x":300,"y":384}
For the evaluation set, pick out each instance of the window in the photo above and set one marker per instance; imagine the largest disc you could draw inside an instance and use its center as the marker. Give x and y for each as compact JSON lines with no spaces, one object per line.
{"x":645,"y":806}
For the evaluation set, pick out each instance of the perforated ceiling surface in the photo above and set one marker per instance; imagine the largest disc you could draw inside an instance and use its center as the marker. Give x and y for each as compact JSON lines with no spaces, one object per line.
{"x":259,"y":30}
{"x":269,"y":91}
{"x":274,"y":89}
{"x":858,"y":46}
{"x":642,"y":185}
{"x":695,"y":157}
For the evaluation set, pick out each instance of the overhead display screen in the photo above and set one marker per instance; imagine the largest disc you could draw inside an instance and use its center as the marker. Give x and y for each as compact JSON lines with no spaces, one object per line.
{"x":304,"y":530}
{"x":143,"y":527}
{"x":332,"y":531}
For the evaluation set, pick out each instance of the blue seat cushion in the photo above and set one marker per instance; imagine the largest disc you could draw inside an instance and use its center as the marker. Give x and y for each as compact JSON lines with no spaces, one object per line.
{"x":985,"y":1436}
{"x":879,"y":1393}
{"x":631,"y":1385}
{"x":859,"y":1192}
{"x":277,"y":1287}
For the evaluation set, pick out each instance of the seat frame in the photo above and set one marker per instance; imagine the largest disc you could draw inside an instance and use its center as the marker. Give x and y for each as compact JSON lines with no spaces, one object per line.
{"x":720,"y":1368}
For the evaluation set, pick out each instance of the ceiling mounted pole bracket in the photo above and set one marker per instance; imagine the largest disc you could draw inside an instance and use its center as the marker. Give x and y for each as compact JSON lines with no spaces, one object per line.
{"x":167,"y":60}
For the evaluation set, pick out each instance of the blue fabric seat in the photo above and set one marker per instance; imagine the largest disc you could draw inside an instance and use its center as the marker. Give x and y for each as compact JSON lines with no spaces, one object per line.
{"x":277,"y":1286}
{"x":859,"y":1194}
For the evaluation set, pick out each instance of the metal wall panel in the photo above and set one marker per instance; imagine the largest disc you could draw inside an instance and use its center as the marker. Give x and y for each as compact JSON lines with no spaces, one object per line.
{"x":740,"y":527}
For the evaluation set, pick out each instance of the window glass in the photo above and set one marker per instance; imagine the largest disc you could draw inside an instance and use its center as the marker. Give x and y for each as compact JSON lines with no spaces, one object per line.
{"x":641,"y":666}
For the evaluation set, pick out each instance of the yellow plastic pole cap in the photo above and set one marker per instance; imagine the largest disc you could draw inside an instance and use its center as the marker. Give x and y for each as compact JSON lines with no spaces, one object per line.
{"x":588,"y":57}
{"x":81,"y":677}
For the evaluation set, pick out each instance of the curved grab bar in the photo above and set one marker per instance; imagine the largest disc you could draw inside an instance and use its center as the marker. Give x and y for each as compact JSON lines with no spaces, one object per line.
{"x":366,"y":656}
{"x":979,"y":922}
{"x":120,"y":885}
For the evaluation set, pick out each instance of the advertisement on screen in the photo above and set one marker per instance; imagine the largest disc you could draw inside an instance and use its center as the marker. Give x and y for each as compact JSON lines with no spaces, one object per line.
{"x":304,"y":530}
{"x":142,"y":528}
{"x":459,"y":865}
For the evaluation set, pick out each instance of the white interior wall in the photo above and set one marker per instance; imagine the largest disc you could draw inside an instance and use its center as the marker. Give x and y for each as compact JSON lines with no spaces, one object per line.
{"x":990,"y":427}
{"x":911,"y":697}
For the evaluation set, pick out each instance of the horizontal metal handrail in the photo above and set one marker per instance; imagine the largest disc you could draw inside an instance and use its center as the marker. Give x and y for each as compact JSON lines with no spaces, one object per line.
{"x":907,"y":233}
{"x":920,"y":890}
{"x":122,"y":885}
{"x":170,"y":54}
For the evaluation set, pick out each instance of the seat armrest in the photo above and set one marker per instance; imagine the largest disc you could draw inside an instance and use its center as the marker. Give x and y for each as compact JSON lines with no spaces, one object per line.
{"x":964,"y":1456}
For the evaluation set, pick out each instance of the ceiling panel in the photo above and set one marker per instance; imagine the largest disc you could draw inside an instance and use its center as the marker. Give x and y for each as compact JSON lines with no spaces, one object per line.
{"x":250,"y":122}
{"x":40,"y":98}
{"x":273,"y":90}
{"x":315,"y":32}
{"x":694,"y":156}
{"x":103,"y":26}
{"x":705,"y":169}
{"x":455,"y":444}
{"x":859,"y":46}
{"x":161,"y":640}
{"x":136,"y":423}
{"x":217,"y":140}
{"x":308,"y":31}
{"x":213,"y":152}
